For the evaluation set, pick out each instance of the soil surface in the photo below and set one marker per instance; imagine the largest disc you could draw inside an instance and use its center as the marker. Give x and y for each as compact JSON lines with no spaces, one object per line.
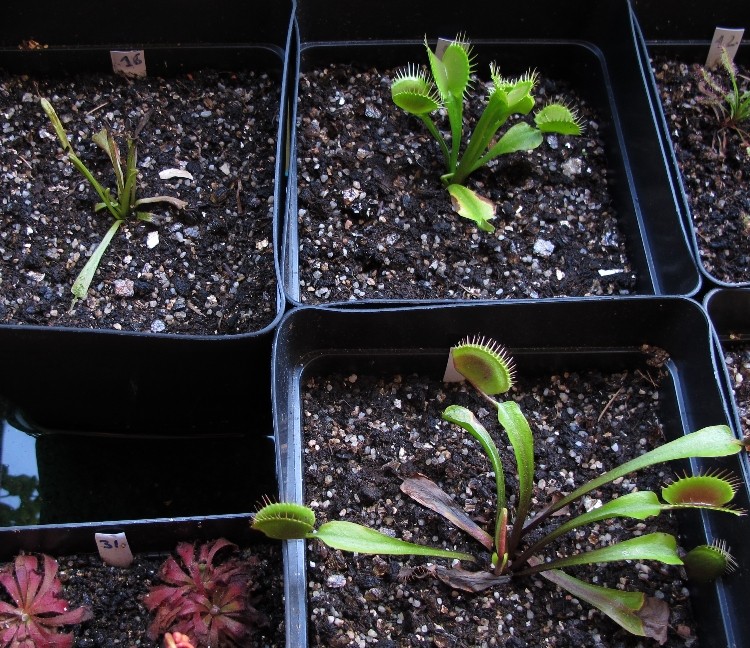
{"x":375,"y":221}
{"x":715,"y":168}
{"x":363,"y":434}
{"x":120,"y":618}
{"x":206,"y":269}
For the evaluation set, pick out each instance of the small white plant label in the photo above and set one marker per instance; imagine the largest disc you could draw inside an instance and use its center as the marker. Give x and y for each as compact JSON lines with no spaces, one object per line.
{"x":451,"y":375}
{"x":442,"y":44}
{"x":129,"y":63}
{"x":114,"y":549}
{"x":725,"y":38}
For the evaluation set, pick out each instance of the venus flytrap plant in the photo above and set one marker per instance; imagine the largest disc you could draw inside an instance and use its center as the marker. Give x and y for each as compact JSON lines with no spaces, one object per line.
{"x":122,"y":206}
{"x":730,"y":104}
{"x":419,"y":93}
{"x":490,"y":370}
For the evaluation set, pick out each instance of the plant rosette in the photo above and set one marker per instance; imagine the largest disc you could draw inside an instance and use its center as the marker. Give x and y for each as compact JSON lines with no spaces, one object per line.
{"x":382,"y":470}
{"x":110,"y":603}
{"x":378,"y":213}
{"x":203,"y":263}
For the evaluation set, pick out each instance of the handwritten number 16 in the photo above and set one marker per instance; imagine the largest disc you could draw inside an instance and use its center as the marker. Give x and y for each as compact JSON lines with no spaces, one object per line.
{"x":137,"y":60}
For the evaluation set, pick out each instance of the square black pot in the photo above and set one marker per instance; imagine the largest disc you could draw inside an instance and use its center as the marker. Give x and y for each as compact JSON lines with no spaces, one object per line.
{"x":544,"y":337}
{"x":74,"y":379}
{"x":597,"y":55}
{"x":729,"y":312}
{"x":667,"y":29}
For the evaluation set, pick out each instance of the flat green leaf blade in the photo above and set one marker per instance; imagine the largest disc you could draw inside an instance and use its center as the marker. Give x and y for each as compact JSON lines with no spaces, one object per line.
{"x":517,"y":428}
{"x":465,"y":418}
{"x":56,"y":124}
{"x":639,"y":505}
{"x":519,"y":137}
{"x":471,"y":205}
{"x":83,"y":281}
{"x":640,"y":615}
{"x":711,"y":441}
{"x":349,"y":536}
{"x":652,"y":546}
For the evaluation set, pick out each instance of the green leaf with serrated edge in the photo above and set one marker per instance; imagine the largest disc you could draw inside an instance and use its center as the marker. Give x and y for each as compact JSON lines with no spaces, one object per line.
{"x":471,"y":205}
{"x":652,"y":546}
{"x":451,"y":81}
{"x":520,"y":101}
{"x":639,"y":505}
{"x":556,"y":118}
{"x":284,"y":521}
{"x":706,"y":490}
{"x":451,"y":73}
{"x":83,"y":280}
{"x":349,"y":536}
{"x":517,"y":428}
{"x":711,"y":441}
{"x":457,"y":64}
{"x":415,"y":104}
{"x":638,"y":614}
{"x":465,"y":418}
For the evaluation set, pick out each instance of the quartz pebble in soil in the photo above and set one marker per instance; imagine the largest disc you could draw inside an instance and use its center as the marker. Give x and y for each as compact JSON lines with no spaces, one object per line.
{"x":207,"y":269}
{"x":375,"y":222}
{"x":363,"y":434}
{"x":715,"y":168}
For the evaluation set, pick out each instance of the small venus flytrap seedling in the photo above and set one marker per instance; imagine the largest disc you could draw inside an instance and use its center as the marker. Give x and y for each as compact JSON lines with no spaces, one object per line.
{"x":421,"y":94}
{"x":730,"y":103}
{"x":490,"y":370}
{"x":122,"y":206}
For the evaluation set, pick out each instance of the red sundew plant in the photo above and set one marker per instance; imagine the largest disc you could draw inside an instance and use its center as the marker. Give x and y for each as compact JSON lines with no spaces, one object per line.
{"x":205,"y":595}
{"x":38,"y":608}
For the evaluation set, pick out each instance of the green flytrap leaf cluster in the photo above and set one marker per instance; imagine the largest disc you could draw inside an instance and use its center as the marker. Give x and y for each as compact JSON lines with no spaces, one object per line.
{"x":490,"y":371}
{"x":421,"y":94}
{"x":122,"y":206}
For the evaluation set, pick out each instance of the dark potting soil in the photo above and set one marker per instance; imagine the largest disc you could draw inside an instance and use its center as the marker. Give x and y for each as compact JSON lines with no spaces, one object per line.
{"x":375,"y":222}
{"x":737,"y":359}
{"x":207,"y":269}
{"x":115,"y":596}
{"x":363,"y":434}
{"x":715,"y":168}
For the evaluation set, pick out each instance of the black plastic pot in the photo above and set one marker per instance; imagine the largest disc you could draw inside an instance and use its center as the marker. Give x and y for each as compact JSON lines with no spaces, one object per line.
{"x":729,"y":312}
{"x":597,"y":54}
{"x":667,"y":29}
{"x":74,"y":379}
{"x":544,"y":337}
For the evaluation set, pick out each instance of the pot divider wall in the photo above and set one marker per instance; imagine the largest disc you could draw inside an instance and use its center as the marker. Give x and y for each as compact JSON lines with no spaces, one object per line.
{"x":597,"y":56}
{"x":666,"y":29}
{"x":544,"y":337}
